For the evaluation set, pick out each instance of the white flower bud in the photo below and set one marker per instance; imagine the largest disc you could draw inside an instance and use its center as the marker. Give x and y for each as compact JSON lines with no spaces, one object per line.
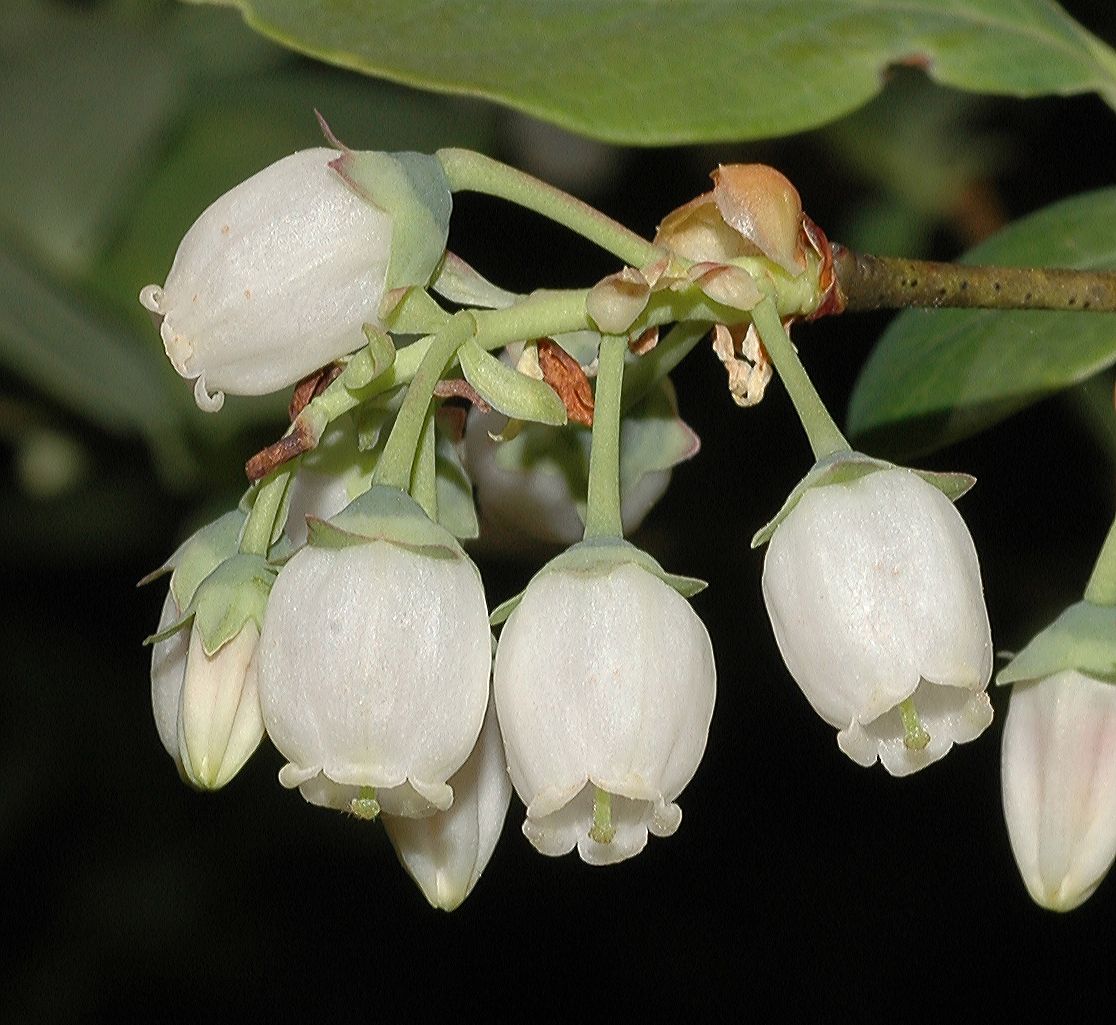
{"x":207,"y":708}
{"x":1059,"y":785}
{"x":373,"y":666}
{"x":168,"y":672}
{"x":604,"y":684}
{"x":446,"y":853}
{"x":874,"y":594}
{"x":274,"y":280}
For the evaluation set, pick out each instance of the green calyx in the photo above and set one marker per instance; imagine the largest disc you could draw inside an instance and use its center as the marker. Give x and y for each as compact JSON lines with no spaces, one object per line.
{"x":199,"y":555}
{"x":460,"y":283}
{"x":231,"y":595}
{"x":387,"y":514}
{"x":413,"y":312}
{"x":846,"y":467}
{"x":1081,"y":638}
{"x":598,"y":556}
{"x":412,"y":188}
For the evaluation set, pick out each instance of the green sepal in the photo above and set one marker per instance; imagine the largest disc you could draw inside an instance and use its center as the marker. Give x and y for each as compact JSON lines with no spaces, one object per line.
{"x":414,"y":313}
{"x":169,"y":631}
{"x":1082,"y":638}
{"x":385,"y":514}
{"x":505,"y":608}
{"x":411,"y":188}
{"x":424,"y":471}
{"x":376,"y":358}
{"x":371,"y":420}
{"x":281,"y":551}
{"x":233,"y":593}
{"x":457,"y":511}
{"x":199,"y":555}
{"x":458,"y":282}
{"x":507,"y":390}
{"x":846,"y":467}
{"x":279,"y":524}
{"x":598,"y":556}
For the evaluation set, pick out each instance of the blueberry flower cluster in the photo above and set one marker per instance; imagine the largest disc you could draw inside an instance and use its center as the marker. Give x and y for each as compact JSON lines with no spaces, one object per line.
{"x":339,"y":612}
{"x":356,"y":630}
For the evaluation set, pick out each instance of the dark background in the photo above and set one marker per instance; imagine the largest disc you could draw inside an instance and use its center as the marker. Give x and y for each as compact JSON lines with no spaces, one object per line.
{"x":796,"y":877}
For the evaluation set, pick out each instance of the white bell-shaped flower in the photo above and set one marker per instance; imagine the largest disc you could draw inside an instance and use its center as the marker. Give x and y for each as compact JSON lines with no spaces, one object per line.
{"x":604,"y":684}
{"x":446,"y":853}
{"x":274,"y":280}
{"x":874,"y":594}
{"x":373,"y":674}
{"x":207,"y":708}
{"x":1059,"y":785}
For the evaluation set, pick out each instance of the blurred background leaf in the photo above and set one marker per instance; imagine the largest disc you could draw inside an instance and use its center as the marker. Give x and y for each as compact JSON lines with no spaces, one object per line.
{"x":122,"y":122}
{"x":924,"y":159}
{"x":940,"y":375}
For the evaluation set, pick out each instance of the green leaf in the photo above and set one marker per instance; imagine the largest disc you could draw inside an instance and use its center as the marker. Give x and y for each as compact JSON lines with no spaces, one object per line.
{"x":937,"y":376}
{"x":649,"y":73}
{"x":80,"y":124}
{"x":54,"y":341}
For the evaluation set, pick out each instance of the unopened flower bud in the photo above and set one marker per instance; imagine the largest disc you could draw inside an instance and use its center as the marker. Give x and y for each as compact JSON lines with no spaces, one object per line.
{"x":1059,"y":785}
{"x":752,"y":210}
{"x":207,"y":708}
{"x":446,"y":853}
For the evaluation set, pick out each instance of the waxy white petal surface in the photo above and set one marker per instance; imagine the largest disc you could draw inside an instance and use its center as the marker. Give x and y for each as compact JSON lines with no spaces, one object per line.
{"x":373,"y":672}
{"x":273,"y":280}
{"x":602,"y":679}
{"x":1058,"y":771}
{"x":446,"y":853}
{"x":874,"y":594}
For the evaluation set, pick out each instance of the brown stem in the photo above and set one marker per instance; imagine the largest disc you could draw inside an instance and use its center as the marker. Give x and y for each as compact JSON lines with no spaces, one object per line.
{"x":886,"y":282}
{"x":300,"y":439}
